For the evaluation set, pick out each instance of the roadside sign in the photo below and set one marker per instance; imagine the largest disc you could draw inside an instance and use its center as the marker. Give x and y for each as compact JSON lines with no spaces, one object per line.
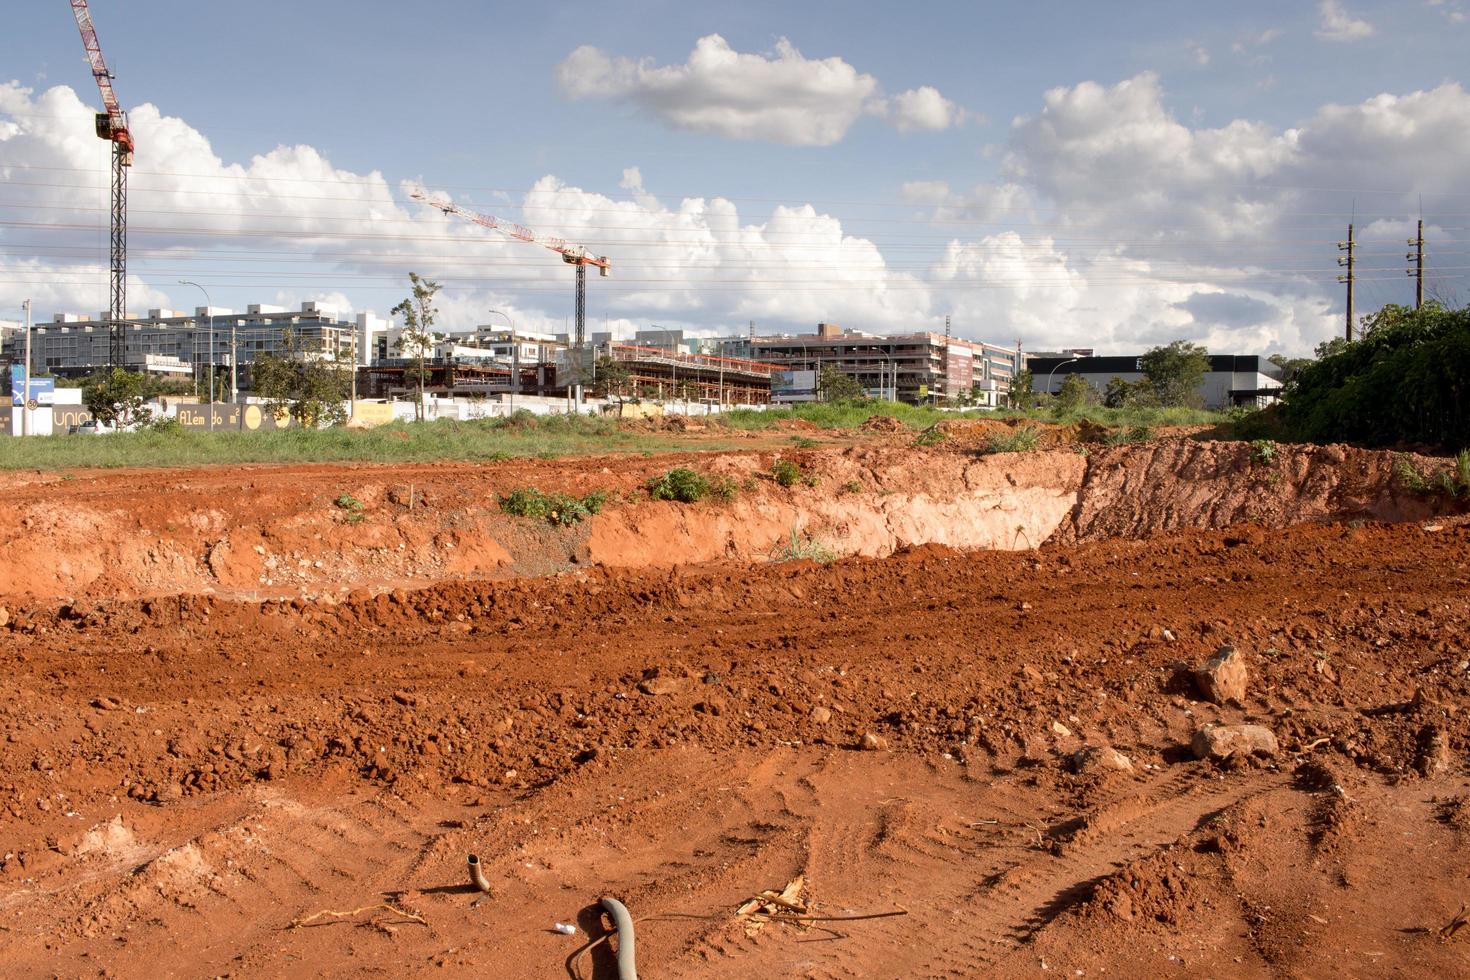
{"x":33,"y":404}
{"x":43,"y":390}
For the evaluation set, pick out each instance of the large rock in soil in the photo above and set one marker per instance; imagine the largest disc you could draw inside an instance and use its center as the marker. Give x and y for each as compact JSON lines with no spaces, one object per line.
{"x":1220,"y":742}
{"x":1099,"y":758}
{"x":1223,"y":677}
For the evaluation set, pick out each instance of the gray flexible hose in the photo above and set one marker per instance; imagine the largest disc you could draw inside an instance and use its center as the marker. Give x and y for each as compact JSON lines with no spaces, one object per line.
{"x":627,"y":963}
{"x":477,"y":875}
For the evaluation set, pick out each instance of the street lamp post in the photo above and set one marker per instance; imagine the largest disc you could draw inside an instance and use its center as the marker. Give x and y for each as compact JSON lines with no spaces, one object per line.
{"x":209,"y":309}
{"x":1053,"y":371}
{"x":515,"y":359}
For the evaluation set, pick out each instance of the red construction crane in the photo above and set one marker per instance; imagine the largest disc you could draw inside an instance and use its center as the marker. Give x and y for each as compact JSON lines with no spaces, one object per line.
{"x":112,"y":125}
{"x":576,"y":255}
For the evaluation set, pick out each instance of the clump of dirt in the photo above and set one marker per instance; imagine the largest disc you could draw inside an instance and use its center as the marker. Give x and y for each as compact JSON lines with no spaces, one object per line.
{"x":883,"y":423}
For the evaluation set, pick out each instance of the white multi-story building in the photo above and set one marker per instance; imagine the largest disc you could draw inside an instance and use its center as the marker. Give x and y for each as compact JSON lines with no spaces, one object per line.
{"x":71,"y":344}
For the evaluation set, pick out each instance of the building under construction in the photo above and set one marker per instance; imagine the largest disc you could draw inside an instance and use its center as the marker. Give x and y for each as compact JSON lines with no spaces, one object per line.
{"x":666,"y":375}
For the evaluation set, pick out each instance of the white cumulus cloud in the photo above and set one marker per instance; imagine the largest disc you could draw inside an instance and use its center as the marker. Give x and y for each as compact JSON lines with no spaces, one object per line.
{"x":781,"y":97}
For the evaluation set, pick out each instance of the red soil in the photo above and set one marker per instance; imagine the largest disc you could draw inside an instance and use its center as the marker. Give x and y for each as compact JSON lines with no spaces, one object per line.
{"x":185,"y":775}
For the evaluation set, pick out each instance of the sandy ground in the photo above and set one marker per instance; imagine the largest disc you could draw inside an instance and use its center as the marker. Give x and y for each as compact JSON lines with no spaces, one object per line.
{"x":188,"y":775}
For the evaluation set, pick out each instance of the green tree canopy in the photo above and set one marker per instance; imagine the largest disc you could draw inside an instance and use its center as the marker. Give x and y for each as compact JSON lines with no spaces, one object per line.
{"x":312,"y":389}
{"x":117,"y":397}
{"x":834,"y":386}
{"x":1406,"y":381}
{"x":1175,"y":371}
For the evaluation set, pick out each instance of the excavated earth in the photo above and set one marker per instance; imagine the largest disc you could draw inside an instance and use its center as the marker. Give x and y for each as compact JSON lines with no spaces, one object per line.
{"x":234,"y":704}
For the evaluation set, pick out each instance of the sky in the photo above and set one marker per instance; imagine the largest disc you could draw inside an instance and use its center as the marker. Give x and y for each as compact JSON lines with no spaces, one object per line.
{"x":1112,"y":176}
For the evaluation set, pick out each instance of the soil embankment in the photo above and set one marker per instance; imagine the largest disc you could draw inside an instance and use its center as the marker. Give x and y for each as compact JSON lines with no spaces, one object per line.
{"x":264,"y":531}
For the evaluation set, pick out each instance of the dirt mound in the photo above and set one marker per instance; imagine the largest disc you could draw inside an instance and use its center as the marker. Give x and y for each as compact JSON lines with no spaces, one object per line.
{"x":883,"y":423}
{"x":1169,"y":484}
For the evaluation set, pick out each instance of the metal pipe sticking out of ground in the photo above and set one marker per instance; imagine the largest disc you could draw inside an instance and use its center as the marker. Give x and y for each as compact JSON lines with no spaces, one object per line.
{"x":477,"y":875}
{"x":627,"y":954}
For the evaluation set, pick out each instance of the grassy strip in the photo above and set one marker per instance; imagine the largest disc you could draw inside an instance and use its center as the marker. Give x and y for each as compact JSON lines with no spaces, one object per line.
{"x":421,"y":442}
{"x":850,"y":415}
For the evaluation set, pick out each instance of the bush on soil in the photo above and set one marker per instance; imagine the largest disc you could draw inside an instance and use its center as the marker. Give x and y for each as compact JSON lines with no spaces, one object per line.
{"x":681,"y":484}
{"x":1403,"y":382}
{"x":558,"y":508}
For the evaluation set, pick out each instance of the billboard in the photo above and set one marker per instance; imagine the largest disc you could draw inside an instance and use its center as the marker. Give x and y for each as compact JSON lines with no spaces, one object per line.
{"x":793,"y":386}
{"x":43,"y":390}
{"x":248,"y":418}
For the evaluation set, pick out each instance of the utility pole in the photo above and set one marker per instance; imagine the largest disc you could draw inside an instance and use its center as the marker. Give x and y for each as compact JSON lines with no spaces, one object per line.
{"x":1418,"y":271}
{"x":1347,"y":262}
{"x":25,"y":411}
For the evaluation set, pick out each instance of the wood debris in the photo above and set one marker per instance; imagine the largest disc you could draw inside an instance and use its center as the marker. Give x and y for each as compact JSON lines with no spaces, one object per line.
{"x":772,"y":906}
{"x":384,"y":906}
{"x":1460,"y":921}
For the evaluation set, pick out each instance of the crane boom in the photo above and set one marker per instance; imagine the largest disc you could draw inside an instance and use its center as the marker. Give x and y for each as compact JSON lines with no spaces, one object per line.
{"x":112,"y":125}
{"x":572,"y":254}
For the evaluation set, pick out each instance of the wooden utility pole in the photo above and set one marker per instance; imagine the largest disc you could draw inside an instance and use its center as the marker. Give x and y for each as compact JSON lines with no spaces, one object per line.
{"x":1347,"y":247}
{"x":1418,"y":271}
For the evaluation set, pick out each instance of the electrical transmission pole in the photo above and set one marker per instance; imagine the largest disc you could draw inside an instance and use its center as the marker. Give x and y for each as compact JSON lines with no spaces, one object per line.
{"x":1347,"y":247}
{"x":1418,"y":271}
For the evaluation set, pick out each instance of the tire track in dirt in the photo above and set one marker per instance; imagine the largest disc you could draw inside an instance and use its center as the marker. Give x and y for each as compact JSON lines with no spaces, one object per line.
{"x":1033,"y":889}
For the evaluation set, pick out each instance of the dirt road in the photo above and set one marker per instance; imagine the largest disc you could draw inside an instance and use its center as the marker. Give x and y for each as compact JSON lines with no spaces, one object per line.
{"x":186,"y":776}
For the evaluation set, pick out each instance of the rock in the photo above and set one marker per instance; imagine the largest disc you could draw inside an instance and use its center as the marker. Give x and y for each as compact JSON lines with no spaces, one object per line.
{"x":663,"y":686}
{"x":4,"y":617}
{"x":1220,"y":742}
{"x":1094,"y":758}
{"x":873,"y":743}
{"x":1432,"y":754}
{"x":106,"y":704}
{"x":1059,"y":729}
{"x":821,"y":715}
{"x":1222,"y":678}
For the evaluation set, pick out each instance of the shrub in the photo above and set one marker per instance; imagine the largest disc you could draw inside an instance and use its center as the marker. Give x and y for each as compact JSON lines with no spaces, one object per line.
{"x":559,"y":508}
{"x":1263,"y":452}
{"x":681,"y":484}
{"x":786,"y":473}
{"x":725,"y":489}
{"x":1021,"y":440}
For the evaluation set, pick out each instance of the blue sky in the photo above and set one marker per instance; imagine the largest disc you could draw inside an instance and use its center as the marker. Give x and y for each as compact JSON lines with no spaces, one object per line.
{"x":1068,"y":173}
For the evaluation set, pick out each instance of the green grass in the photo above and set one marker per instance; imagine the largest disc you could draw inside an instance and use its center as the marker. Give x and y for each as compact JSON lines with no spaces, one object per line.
{"x":850,"y":415}
{"x":1022,"y":439}
{"x":1117,"y":417}
{"x":476,"y":440}
{"x":800,"y":547}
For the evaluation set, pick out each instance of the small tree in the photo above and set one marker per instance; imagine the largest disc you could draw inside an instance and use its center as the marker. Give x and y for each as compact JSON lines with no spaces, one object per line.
{"x":417,"y":338}
{"x":1075,"y":393}
{"x":1020,"y":395}
{"x":313,"y":390}
{"x":614,"y":380}
{"x":116,"y":398}
{"x":835,"y":386}
{"x":1175,"y":372}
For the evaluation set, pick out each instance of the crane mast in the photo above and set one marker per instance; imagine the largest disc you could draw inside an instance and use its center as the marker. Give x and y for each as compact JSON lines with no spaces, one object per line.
{"x":112,"y":125}
{"x":576,"y":255}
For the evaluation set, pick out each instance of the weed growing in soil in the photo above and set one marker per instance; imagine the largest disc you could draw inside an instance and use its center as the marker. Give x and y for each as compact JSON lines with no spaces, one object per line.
{"x":681,"y":484}
{"x":1129,"y":436}
{"x":1263,"y":451}
{"x":1462,"y":472}
{"x":1408,"y":475}
{"x":802,"y":442}
{"x":1021,"y":440}
{"x":351,"y":507}
{"x":799,"y":547}
{"x":724,"y":489}
{"x":558,"y":508}
{"x":852,"y":486}
{"x":931,"y":436}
